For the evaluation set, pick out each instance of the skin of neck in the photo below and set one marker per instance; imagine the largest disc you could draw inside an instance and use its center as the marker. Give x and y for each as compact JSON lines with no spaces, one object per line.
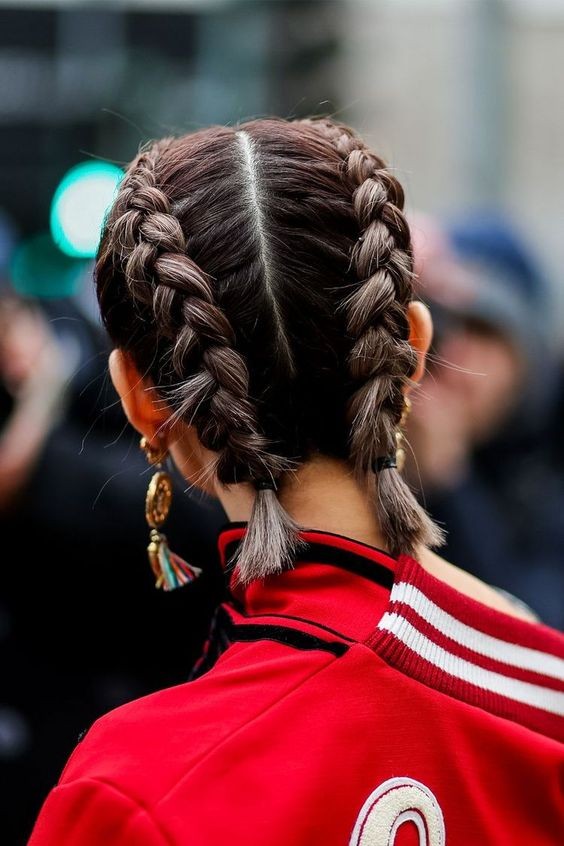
{"x":321,"y":494}
{"x":324,"y":494}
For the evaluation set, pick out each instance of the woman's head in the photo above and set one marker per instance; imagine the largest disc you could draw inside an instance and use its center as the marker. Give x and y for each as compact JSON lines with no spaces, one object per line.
{"x":259,"y":277}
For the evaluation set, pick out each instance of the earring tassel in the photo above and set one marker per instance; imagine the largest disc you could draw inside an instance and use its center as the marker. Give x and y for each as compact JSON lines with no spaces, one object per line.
{"x":171,"y":571}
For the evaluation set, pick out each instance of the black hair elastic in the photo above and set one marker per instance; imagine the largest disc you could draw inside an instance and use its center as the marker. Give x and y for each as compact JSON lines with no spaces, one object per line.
{"x":385,"y":462}
{"x":266,"y":485}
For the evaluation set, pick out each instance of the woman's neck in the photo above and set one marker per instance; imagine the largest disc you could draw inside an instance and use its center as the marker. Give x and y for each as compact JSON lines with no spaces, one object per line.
{"x":324,"y":494}
{"x":321,"y":494}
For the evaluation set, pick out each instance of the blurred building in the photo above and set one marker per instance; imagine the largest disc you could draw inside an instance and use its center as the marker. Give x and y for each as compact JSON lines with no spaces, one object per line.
{"x":465,"y":99}
{"x":96,"y":79}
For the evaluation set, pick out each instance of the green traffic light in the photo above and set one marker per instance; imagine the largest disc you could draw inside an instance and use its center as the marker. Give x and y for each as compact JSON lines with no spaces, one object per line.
{"x":79,"y":206}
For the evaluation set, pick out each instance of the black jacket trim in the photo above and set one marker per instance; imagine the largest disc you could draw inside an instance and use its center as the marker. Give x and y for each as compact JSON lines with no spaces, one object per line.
{"x":312,"y":623}
{"x":249,"y":632}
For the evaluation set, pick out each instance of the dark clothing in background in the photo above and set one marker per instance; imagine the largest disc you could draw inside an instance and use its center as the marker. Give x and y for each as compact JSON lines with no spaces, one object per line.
{"x":505,"y":519}
{"x":82,"y":628}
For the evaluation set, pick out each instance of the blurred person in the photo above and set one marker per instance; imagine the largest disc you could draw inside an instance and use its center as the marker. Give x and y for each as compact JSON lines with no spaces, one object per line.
{"x":257,"y":284}
{"x":77,"y":620}
{"x":481,"y":427}
{"x":33,"y":374}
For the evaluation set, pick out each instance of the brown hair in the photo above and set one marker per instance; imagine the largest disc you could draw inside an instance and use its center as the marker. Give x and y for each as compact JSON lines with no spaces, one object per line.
{"x":260,"y":276}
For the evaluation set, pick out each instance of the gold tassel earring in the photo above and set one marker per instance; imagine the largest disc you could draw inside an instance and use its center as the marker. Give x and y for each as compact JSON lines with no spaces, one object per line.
{"x":170,"y":570}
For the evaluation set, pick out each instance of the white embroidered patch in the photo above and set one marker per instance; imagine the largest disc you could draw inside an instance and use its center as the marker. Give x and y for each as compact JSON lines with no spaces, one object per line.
{"x":395,"y":802}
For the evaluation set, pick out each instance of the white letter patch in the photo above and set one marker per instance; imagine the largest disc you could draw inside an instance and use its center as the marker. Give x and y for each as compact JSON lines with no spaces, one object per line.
{"x":393,"y":803}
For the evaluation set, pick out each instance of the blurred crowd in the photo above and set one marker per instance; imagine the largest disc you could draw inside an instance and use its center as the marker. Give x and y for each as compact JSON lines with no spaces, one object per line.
{"x":485,"y":432}
{"x":81,"y":627}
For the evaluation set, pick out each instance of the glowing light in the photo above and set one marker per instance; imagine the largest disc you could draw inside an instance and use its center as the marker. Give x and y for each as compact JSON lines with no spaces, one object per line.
{"x":39,"y":269}
{"x":80,"y":205}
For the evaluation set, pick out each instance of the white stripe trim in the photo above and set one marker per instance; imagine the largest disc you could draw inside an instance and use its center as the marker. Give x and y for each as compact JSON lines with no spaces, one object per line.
{"x":491,"y":647}
{"x":528,"y":694}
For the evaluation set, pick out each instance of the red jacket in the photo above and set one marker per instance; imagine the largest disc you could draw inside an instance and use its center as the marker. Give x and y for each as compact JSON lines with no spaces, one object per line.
{"x":355,"y":700}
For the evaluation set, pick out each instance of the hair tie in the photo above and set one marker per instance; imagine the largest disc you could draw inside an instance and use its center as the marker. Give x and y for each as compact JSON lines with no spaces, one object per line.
{"x":266,"y":485}
{"x":384,"y":462}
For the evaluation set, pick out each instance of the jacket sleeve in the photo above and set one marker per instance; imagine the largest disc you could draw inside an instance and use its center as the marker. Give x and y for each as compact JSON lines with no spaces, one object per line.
{"x":87,"y":812}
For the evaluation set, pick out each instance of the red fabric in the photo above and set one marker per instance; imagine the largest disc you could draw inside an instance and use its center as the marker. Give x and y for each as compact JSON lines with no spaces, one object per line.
{"x":279,"y":744}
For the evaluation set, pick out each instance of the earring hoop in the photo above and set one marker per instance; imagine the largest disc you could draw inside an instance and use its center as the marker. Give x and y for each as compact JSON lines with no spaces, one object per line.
{"x":155,"y":454}
{"x":396,"y":461}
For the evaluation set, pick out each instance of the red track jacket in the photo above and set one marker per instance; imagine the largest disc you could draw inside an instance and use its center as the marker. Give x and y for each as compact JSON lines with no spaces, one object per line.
{"x":353,"y":700}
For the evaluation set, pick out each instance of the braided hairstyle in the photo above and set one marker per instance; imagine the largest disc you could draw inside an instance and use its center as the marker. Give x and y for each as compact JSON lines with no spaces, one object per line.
{"x":381,"y":359}
{"x":260,"y":276}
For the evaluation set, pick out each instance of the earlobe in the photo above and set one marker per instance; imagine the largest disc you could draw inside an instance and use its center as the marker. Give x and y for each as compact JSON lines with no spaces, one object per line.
{"x":141,"y":405}
{"x":420,"y":335}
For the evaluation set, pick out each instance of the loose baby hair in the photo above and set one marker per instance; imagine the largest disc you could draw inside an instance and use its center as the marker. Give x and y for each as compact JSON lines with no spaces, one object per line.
{"x":260,"y":276}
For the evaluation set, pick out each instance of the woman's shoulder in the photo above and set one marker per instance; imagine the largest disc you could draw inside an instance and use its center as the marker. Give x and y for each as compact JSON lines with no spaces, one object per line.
{"x":474,"y":588}
{"x":122,"y":766}
{"x":140,"y":763}
{"x":147,"y":746}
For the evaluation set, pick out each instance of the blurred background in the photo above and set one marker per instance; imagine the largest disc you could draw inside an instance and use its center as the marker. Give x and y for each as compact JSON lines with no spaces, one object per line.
{"x":464,"y":98}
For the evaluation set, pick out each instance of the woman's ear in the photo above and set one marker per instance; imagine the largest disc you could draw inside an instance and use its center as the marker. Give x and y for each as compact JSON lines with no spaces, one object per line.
{"x":420,"y":335}
{"x":144,"y":409}
{"x":147,"y":413}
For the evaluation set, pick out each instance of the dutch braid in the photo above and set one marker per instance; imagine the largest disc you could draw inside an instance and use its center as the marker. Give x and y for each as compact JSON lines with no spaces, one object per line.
{"x":381,"y":359}
{"x":150,"y":247}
